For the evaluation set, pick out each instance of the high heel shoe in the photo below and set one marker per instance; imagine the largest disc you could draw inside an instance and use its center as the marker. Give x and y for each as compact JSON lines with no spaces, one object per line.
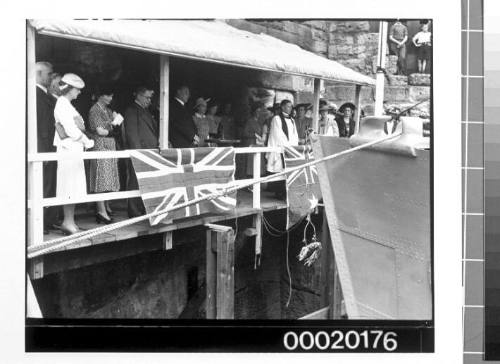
{"x":67,"y":231}
{"x":109,"y":211}
{"x":101,"y":219}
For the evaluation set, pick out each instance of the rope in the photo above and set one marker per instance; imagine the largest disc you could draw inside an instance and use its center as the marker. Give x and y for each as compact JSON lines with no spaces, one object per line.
{"x":56,"y":244}
{"x":288,"y":270}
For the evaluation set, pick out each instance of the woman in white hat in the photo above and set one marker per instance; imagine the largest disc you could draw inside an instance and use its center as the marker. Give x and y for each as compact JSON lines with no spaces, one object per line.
{"x":70,"y":137}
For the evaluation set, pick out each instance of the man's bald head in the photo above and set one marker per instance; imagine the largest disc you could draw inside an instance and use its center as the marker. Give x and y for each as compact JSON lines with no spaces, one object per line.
{"x":44,"y":73}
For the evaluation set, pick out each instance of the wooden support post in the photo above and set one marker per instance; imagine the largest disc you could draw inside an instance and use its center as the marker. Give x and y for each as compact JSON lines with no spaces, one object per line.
{"x":211,"y":271}
{"x":225,"y":275}
{"x":35,"y":169}
{"x":317,"y":89}
{"x":36,"y":268}
{"x":257,"y":222}
{"x":357,"y":103}
{"x":380,"y":76}
{"x":256,"y":174}
{"x":220,"y":272}
{"x":167,"y":240}
{"x":164,"y":100}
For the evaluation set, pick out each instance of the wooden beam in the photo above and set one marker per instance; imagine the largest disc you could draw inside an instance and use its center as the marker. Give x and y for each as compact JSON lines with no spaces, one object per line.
{"x":211,"y":268}
{"x":225,"y":275}
{"x":37,"y":268}
{"x":220,"y":272}
{"x":35,"y":171}
{"x":257,"y":222}
{"x":167,"y":240}
{"x":164,"y":100}
{"x":357,"y":103}
{"x":317,"y":89}
{"x":256,"y":174}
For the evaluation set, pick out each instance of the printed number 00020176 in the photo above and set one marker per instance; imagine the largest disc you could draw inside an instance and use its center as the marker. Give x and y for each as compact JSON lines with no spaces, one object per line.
{"x":339,"y":340}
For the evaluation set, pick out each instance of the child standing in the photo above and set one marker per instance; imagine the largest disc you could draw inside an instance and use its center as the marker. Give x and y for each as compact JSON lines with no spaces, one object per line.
{"x":422,"y":40}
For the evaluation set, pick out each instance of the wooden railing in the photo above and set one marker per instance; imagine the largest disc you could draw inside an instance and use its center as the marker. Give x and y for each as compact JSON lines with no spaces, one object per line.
{"x":36,"y":201}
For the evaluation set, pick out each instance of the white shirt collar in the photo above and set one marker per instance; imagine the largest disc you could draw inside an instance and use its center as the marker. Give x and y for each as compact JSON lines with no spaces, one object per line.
{"x":44,"y":89}
{"x":182,"y":102}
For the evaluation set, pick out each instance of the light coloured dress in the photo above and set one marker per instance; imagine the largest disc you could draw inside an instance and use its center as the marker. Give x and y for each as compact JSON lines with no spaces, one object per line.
{"x":103,"y":172}
{"x":71,"y":182}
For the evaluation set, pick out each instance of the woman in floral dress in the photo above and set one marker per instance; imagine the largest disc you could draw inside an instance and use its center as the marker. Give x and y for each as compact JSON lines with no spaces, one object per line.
{"x":104,"y":175}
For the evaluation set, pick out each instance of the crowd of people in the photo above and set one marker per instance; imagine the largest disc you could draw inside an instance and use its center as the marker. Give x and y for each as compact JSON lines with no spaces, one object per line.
{"x":61,"y":128}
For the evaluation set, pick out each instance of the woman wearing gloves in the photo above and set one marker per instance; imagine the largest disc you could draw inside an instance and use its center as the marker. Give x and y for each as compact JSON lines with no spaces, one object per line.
{"x":104,"y":124}
{"x":70,"y":138}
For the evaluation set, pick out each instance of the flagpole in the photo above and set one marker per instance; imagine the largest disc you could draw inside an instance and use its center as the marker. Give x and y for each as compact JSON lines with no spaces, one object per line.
{"x":51,"y":245}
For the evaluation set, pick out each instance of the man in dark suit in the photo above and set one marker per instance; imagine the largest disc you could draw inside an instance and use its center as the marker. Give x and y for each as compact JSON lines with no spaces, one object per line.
{"x":45,"y":104}
{"x":181,"y":128}
{"x":141,"y":132}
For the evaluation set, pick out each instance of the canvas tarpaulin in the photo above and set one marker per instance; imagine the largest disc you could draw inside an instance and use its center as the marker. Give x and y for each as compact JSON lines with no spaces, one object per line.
{"x":208,"y":40}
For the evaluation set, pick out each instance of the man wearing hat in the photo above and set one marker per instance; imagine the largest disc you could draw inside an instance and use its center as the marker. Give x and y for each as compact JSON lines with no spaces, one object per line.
{"x":181,"y":127}
{"x":303,"y":122}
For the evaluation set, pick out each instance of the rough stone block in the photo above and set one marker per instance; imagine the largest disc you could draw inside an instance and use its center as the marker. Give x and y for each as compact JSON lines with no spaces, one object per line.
{"x":396,"y":93}
{"x":419,"y":93}
{"x":319,"y":46}
{"x":419,"y":79}
{"x":318,"y":34}
{"x":317,"y":24}
{"x":391,"y":64}
{"x":398,"y":80}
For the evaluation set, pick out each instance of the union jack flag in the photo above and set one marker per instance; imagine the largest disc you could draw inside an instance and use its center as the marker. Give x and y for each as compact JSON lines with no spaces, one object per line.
{"x":174,"y":176}
{"x":303,"y":189}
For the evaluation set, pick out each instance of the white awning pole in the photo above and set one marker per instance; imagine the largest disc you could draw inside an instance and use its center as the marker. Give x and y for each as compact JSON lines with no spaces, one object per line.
{"x":379,"y":88}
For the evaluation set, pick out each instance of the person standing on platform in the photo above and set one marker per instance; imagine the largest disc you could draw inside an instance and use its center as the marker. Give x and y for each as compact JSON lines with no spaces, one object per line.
{"x":283,"y":132}
{"x":181,"y":128}
{"x":345,"y":120}
{"x":326,"y":122}
{"x":398,"y":36}
{"x":45,"y":104}
{"x":200,"y":121}
{"x":141,"y":132}
{"x":422,"y":40}
{"x":70,"y":138}
{"x":227,"y":126}
{"x":104,"y":124}
{"x":303,"y":122}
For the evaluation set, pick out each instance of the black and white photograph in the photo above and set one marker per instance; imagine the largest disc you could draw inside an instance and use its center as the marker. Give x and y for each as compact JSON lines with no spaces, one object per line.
{"x":249,"y":172}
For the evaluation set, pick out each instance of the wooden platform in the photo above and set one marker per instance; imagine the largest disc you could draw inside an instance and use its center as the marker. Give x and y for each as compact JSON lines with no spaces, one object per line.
{"x":85,"y":218}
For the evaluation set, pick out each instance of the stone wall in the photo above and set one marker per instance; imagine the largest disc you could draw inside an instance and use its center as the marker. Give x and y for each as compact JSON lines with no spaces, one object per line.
{"x":351,"y":43}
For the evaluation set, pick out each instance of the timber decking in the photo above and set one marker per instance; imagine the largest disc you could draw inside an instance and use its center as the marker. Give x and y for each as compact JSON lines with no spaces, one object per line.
{"x":86,"y":220}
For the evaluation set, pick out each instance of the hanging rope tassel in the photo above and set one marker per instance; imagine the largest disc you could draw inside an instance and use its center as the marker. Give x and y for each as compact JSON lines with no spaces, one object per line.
{"x":311,"y":252}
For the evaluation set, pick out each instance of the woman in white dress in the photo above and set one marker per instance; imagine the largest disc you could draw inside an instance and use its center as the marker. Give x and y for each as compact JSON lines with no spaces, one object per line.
{"x":70,"y":138}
